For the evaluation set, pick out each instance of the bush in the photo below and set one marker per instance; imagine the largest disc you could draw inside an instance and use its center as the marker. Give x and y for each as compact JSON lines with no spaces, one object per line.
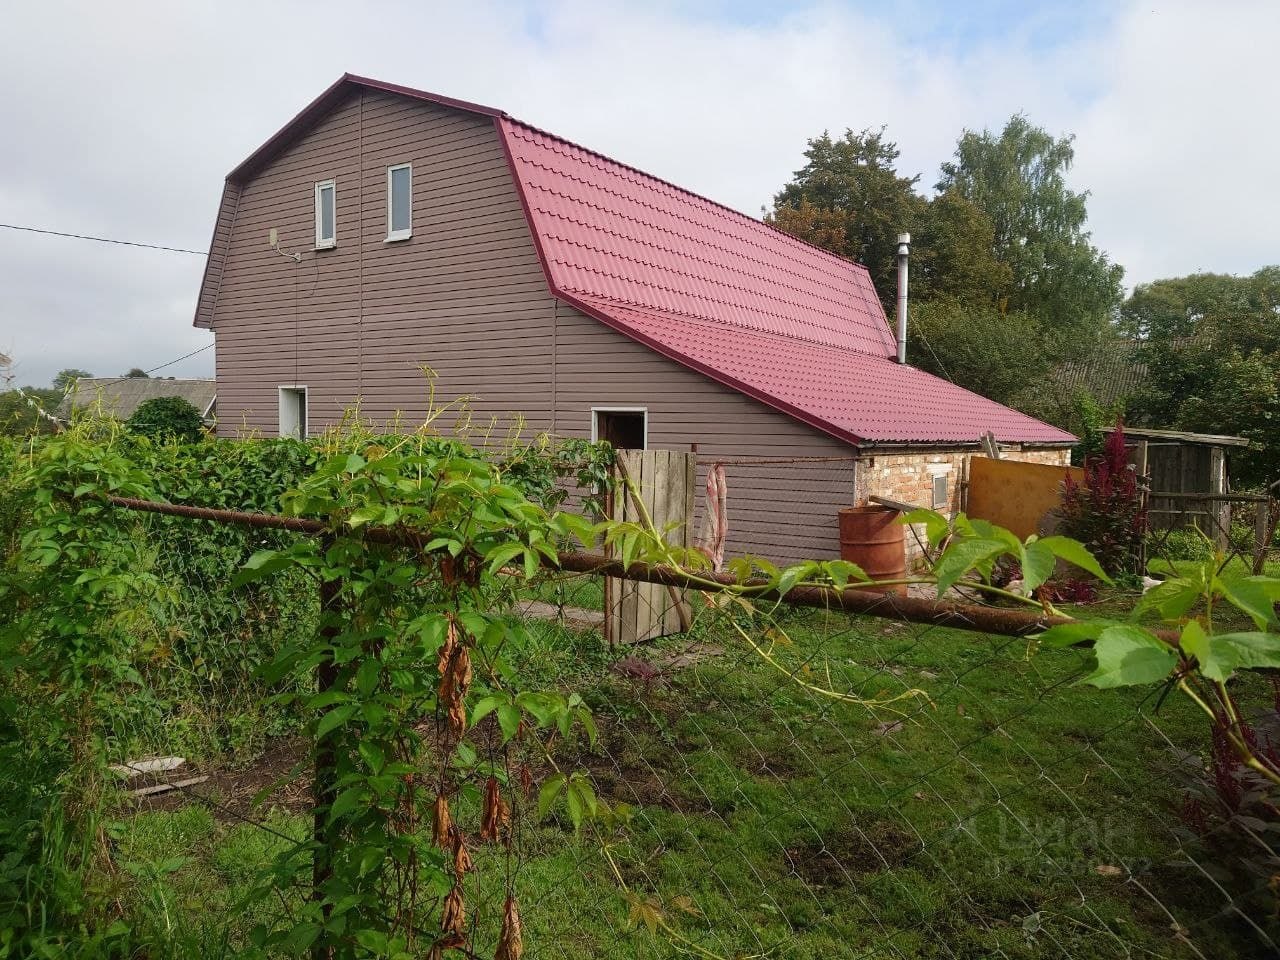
{"x":1107,"y":514}
{"x":165,"y":418}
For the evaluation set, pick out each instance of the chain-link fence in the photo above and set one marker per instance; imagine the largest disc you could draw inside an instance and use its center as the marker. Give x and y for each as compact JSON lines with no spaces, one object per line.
{"x":1241,"y":527}
{"x":988,"y":806}
{"x":786,"y":781}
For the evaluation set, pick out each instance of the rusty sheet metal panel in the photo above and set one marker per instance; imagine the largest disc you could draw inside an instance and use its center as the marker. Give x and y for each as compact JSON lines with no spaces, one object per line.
{"x":1015,"y":495}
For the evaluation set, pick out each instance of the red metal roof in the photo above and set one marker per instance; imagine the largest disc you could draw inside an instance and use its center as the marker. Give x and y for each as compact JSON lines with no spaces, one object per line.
{"x":794,"y":326}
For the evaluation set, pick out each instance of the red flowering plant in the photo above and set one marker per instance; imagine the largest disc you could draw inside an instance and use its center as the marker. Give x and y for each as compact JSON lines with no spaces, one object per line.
{"x":1107,"y":513}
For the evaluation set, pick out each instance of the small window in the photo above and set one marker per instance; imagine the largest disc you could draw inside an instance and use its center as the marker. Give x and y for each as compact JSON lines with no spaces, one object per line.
{"x":293,"y":412}
{"x":400,"y":202}
{"x":624,"y":429}
{"x":940,"y":497}
{"x":326,"y":214}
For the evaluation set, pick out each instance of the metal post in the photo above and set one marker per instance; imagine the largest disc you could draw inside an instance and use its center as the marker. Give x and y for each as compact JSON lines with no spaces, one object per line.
{"x":904,"y":253}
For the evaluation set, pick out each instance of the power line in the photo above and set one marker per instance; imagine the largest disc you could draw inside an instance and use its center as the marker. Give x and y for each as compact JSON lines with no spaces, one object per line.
{"x":84,"y":236}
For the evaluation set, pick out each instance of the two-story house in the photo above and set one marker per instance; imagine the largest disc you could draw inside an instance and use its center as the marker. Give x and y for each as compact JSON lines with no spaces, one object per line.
{"x":384,"y":230}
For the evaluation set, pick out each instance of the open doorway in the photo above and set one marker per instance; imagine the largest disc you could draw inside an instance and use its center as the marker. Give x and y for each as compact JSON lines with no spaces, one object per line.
{"x":293,"y":412}
{"x":626,"y":428}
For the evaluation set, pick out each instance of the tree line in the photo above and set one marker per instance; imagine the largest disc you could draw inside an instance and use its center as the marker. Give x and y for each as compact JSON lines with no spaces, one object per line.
{"x":1011,"y":299}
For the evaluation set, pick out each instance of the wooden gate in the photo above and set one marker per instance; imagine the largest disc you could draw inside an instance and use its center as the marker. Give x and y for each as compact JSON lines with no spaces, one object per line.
{"x":664,"y":482}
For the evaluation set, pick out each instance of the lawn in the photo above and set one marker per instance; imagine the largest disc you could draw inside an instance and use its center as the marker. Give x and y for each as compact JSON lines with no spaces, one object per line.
{"x":1001,"y":810}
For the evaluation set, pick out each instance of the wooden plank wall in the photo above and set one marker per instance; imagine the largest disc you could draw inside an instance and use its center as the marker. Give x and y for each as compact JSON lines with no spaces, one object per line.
{"x":667,"y":482}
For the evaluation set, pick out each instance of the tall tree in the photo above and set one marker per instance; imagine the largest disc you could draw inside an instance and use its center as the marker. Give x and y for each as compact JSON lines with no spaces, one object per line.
{"x":1017,"y":178}
{"x":136,"y":373}
{"x":953,"y":255}
{"x":849,"y":198}
{"x":1212,"y":351}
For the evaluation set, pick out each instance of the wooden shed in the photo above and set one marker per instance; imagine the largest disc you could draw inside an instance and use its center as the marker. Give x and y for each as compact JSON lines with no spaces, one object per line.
{"x":1188,"y":475}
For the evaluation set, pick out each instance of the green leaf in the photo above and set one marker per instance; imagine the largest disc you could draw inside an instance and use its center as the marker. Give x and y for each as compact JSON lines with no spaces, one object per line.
{"x":1069,"y":634}
{"x":961,"y":557}
{"x":1074,"y":552}
{"x":1256,"y":596}
{"x":499,"y":556}
{"x":335,"y":718}
{"x":486,"y":706}
{"x":1172,"y":599}
{"x":840,"y":572}
{"x":547,"y":795}
{"x":588,"y":723}
{"x":1222,"y":655}
{"x":1038,"y":562}
{"x":347,"y":801}
{"x":365,"y":515}
{"x":935,"y":524}
{"x":508,"y":720}
{"x":1128,"y":656}
{"x":367,"y":676}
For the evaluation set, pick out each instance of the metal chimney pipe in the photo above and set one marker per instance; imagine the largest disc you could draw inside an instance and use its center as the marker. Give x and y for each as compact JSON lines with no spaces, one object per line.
{"x":904,"y":251}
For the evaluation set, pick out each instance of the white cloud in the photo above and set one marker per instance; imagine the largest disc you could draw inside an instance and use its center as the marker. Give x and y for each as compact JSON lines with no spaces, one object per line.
{"x":122,"y":119}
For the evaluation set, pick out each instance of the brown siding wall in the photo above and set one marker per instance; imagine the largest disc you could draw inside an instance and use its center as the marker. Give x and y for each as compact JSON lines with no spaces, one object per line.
{"x":465,"y":296}
{"x":782,"y":511}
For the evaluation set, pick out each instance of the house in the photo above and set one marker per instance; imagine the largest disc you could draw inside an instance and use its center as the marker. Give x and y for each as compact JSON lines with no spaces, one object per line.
{"x":120,"y":397}
{"x":384,"y":229}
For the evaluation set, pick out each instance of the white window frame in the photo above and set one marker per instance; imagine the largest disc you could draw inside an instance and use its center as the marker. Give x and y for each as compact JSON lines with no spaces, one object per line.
{"x":306,"y":407}
{"x":934,"y":503}
{"x":396,"y":235}
{"x":326,"y":243}
{"x":595,"y":421}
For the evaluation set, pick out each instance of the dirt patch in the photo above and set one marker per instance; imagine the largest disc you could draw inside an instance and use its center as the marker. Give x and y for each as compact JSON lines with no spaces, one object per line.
{"x":230,"y":791}
{"x":838,"y":859}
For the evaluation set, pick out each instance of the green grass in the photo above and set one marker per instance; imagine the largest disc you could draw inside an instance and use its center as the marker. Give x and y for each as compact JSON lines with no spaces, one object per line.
{"x":769,"y":820}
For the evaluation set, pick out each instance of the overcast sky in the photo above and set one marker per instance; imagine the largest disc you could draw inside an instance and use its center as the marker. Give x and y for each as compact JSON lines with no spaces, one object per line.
{"x":121,"y":119}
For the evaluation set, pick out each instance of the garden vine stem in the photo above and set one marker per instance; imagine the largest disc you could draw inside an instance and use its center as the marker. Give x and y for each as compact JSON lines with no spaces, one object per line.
{"x":852,"y":599}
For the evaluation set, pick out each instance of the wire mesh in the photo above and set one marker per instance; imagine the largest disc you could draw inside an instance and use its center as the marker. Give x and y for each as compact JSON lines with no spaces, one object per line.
{"x":999,"y":809}
{"x":786,"y":783}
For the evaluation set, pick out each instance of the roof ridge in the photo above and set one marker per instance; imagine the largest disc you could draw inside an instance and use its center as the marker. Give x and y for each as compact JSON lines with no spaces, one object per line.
{"x":747,"y":218}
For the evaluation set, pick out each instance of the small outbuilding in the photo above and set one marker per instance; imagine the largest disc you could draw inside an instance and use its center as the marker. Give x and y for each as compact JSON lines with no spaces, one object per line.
{"x":120,"y":397}
{"x":1188,"y":475}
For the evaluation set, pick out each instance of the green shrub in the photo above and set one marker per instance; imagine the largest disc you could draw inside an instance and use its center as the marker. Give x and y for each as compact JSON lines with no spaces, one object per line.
{"x":1185,"y":544}
{"x":165,"y":418}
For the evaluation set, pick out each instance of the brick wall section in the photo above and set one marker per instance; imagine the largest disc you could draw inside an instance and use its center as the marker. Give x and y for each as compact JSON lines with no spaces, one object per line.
{"x":908,"y":477}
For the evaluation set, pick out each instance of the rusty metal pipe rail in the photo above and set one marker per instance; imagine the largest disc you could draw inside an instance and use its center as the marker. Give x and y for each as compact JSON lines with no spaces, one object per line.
{"x":996,"y":620}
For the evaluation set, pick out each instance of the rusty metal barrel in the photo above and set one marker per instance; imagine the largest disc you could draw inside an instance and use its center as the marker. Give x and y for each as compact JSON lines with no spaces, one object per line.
{"x":872,"y":537}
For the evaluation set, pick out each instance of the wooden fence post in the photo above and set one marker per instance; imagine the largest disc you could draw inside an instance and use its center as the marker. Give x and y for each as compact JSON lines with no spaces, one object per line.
{"x":326,"y":760}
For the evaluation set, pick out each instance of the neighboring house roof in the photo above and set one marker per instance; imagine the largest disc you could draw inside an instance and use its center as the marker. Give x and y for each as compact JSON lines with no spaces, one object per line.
{"x":121,"y":396}
{"x":1111,"y":375}
{"x":792,"y":325}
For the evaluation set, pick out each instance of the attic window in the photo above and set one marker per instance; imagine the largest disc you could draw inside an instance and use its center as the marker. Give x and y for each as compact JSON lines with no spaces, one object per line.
{"x":326,"y":214}
{"x":399,"y":202}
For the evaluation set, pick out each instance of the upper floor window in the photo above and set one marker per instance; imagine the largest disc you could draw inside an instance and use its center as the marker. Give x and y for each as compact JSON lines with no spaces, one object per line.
{"x":326,"y":214}
{"x":400,"y":202}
